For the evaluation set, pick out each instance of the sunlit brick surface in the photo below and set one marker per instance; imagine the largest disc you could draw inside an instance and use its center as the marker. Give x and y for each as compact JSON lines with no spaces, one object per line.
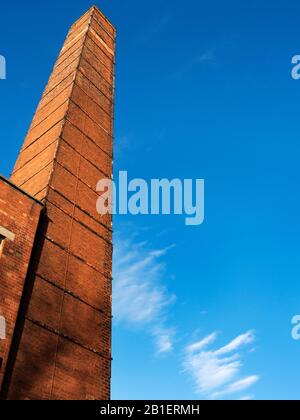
{"x":64,"y":349}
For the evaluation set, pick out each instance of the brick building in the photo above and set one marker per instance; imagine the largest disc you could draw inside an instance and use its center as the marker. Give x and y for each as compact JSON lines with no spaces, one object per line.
{"x":55,"y":250}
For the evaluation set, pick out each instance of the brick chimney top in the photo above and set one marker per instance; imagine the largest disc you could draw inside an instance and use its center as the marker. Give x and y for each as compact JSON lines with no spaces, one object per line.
{"x":91,"y":11}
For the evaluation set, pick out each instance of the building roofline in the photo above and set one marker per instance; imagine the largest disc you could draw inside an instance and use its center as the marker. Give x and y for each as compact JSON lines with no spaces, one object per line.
{"x":7,"y":181}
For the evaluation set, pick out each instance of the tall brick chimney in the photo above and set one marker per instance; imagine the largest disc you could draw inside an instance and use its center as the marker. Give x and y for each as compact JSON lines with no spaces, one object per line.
{"x":61,"y":343}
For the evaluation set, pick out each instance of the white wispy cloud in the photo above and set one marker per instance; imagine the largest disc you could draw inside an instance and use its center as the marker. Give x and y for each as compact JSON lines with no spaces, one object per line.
{"x":140,"y":297}
{"x":237,"y":386}
{"x":208,"y":56}
{"x":247,"y":398}
{"x":159,"y":24}
{"x":164,"y":340}
{"x":124,"y":143}
{"x":217,"y":372}
{"x":238,"y":342}
{"x":203,"y":343}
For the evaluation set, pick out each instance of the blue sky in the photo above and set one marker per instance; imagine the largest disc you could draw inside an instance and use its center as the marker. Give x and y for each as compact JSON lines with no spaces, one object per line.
{"x":203,"y":90}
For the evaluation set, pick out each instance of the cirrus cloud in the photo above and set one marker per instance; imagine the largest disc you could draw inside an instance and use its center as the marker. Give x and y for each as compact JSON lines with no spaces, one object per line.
{"x":140,"y":298}
{"x":216,"y":373}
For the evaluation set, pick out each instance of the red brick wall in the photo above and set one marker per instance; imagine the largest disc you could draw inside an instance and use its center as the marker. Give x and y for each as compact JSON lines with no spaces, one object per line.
{"x":20,"y":215}
{"x":65,"y":348}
